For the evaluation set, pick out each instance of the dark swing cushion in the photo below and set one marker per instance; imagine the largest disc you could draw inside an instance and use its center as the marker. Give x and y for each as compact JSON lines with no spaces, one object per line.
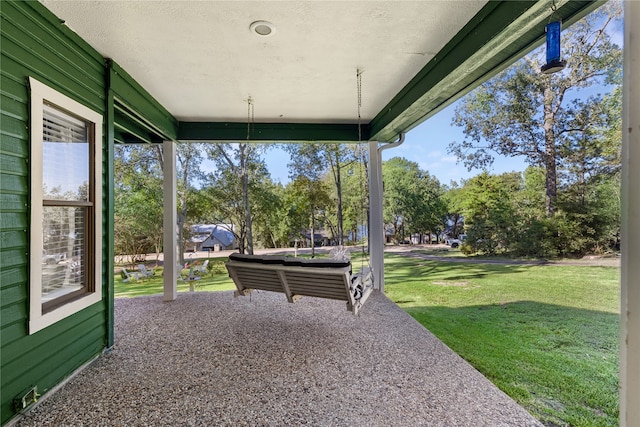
{"x":261,"y":259}
{"x":316,"y":263}
{"x":289,"y":261}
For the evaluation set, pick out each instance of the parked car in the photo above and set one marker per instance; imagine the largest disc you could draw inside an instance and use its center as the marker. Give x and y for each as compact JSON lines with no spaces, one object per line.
{"x":454,"y":243}
{"x":51,"y":259}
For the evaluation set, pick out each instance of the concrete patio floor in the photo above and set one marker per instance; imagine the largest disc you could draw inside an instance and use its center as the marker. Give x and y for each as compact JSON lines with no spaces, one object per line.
{"x":208,"y":359}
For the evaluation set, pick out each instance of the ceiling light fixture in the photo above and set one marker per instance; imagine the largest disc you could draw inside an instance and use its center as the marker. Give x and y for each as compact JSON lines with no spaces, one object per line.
{"x":263,"y":28}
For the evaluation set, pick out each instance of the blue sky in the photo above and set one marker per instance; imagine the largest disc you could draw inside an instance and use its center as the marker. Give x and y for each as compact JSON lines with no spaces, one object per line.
{"x":426,"y":145}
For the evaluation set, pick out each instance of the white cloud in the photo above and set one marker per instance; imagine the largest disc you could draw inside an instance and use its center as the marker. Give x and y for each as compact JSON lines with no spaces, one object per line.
{"x":449,"y":159}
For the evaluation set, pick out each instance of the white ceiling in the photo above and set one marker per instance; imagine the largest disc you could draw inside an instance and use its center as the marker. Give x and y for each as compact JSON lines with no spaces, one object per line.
{"x":201,"y":61}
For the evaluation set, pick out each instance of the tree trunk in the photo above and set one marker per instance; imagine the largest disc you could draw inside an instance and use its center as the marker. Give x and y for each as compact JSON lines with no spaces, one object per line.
{"x":338,"y":177}
{"x":245,"y":196}
{"x":551,"y":183}
{"x":242,"y":238}
{"x":583,"y":181}
{"x":313,"y":230}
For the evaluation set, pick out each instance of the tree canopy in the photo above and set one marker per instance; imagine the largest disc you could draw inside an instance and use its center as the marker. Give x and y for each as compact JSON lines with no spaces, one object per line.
{"x":413,"y":201}
{"x":545,"y":118}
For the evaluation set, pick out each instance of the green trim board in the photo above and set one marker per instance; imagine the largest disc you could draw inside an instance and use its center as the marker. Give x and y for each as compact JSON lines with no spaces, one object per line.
{"x":271,"y":132}
{"x":131,"y":131}
{"x":130,"y":98}
{"x":109,"y":209}
{"x":496,"y":37}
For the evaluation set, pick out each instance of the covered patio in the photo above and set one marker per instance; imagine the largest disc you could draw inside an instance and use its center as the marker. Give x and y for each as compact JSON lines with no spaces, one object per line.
{"x":209,"y":359}
{"x":164,"y":72}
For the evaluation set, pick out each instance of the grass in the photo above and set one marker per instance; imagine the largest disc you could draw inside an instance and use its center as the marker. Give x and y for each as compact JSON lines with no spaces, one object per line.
{"x":546,"y":335}
{"x":216,"y":280}
{"x":440,"y":252}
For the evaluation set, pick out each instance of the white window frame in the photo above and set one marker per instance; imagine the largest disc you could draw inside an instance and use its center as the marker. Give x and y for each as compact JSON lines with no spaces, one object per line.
{"x":41,"y":94}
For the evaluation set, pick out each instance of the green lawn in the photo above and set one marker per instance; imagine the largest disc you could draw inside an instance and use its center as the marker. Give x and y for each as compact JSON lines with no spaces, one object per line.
{"x":216,"y":280}
{"x":546,"y":335}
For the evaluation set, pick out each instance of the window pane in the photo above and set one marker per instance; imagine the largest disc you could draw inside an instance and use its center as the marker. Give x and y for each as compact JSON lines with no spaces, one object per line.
{"x":65,"y":156}
{"x":63,"y":257}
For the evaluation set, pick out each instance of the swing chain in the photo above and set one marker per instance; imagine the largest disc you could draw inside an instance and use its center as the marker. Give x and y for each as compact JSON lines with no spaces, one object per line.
{"x":250,"y":116}
{"x":359,"y":92}
{"x":365,"y":188}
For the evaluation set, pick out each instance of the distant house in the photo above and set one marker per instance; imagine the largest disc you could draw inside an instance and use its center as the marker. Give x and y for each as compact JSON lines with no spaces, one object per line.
{"x":321,"y":238}
{"x":211,"y":237}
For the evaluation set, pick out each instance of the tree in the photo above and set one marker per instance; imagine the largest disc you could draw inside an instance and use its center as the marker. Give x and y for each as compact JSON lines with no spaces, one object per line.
{"x":489,"y":211}
{"x":313,"y":197}
{"x":138,"y":195}
{"x":138,"y":201}
{"x":313,"y":160}
{"x":453,"y":221}
{"x":267,"y":200}
{"x":522,"y":112}
{"x":413,"y":201}
{"x":239,"y":161}
{"x":429,"y":208}
{"x":355,"y":200}
{"x":188,"y":161}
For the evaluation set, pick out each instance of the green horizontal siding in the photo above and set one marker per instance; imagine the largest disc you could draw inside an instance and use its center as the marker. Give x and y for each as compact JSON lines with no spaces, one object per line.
{"x":10,"y":164}
{"x":11,"y":314}
{"x":44,"y":71}
{"x":12,"y":221}
{"x":13,"y":239}
{"x":12,"y":107}
{"x":13,"y":202}
{"x":13,"y":128}
{"x":65,"y":333}
{"x":28,"y":30}
{"x":14,"y":295}
{"x":13,"y":144}
{"x":12,"y":332}
{"x":34,"y":43}
{"x":53,"y":354}
{"x":12,"y":183}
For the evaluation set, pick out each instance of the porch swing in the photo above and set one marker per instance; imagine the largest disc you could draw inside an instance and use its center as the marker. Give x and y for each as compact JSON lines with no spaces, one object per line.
{"x":322,"y":278}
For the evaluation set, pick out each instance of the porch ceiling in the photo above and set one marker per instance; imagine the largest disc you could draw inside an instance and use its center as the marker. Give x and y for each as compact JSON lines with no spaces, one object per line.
{"x":201,"y":60}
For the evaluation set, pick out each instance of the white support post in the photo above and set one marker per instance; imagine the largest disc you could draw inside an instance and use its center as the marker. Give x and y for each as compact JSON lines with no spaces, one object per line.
{"x":170,"y":221}
{"x":376,"y":223}
{"x":630,"y":247}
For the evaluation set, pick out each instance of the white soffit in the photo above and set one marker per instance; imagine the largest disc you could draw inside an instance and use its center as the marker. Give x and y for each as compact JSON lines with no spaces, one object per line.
{"x":201,"y":60}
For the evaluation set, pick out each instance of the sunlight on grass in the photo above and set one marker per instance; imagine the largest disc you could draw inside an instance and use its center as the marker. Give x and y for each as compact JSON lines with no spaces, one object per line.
{"x":216,"y":281}
{"x":546,"y":335}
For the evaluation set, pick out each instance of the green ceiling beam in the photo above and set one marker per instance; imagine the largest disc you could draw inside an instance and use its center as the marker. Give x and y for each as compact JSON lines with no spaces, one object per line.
{"x":501,"y":33}
{"x":130,"y":96}
{"x":270,"y":132}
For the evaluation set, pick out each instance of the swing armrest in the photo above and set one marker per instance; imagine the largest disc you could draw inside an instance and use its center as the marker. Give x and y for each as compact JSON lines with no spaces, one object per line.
{"x":364,"y":276}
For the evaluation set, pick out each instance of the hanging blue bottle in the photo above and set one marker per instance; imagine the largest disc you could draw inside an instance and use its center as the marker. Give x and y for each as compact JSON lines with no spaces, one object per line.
{"x":554,"y":63}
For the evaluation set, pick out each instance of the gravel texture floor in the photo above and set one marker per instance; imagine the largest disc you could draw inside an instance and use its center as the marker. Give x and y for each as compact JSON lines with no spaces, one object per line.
{"x":208,"y":359}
